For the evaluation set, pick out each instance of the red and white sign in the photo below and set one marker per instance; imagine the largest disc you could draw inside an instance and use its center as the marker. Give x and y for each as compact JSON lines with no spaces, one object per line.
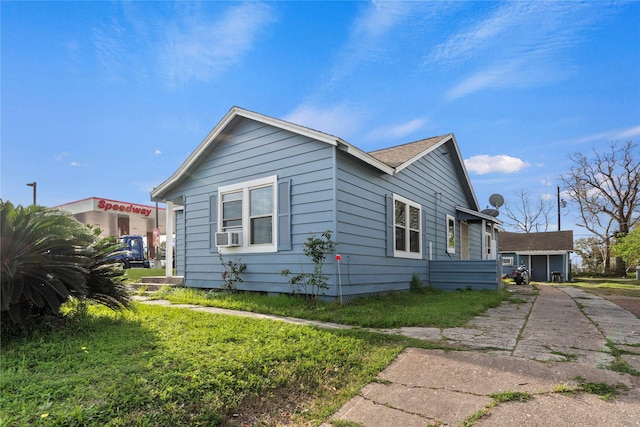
{"x":112,"y":205}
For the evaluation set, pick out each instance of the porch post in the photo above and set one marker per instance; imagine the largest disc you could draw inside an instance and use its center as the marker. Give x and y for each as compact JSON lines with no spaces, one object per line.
{"x":168,"y":268}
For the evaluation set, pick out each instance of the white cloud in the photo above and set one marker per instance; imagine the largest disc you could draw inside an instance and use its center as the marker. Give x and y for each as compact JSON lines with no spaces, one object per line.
{"x":340,"y":120}
{"x":157,"y":152}
{"x":518,"y":44}
{"x":398,"y":131}
{"x":484,"y":164}
{"x":606,"y":136}
{"x":75,"y":164}
{"x":366,"y":40}
{"x":60,"y":156}
{"x":200,"y":49}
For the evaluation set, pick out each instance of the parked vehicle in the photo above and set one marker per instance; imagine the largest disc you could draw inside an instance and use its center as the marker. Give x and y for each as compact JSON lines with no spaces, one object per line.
{"x":132,"y":253}
{"x":521,"y":275}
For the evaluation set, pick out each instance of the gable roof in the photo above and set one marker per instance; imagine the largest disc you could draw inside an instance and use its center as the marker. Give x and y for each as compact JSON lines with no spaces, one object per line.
{"x":547,"y":241}
{"x":390,"y":160}
{"x":401,"y":154}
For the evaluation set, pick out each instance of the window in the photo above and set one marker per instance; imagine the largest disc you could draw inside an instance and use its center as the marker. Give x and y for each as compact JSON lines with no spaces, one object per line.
{"x":407,"y":228}
{"x":249,"y":207}
{"x":508,"y":260}
{"x":451,"y":234}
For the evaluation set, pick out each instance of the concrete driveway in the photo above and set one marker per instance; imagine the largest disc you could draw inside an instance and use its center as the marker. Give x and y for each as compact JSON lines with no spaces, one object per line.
{"x":545,"y":348}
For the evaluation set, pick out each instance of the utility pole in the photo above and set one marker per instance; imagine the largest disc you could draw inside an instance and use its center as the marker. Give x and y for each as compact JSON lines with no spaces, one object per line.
{"x":33,"y":184}
{"x":558,"y":208}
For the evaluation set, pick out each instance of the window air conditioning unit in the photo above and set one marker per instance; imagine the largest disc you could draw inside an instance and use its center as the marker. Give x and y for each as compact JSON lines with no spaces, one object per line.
{"x":226,"y":239}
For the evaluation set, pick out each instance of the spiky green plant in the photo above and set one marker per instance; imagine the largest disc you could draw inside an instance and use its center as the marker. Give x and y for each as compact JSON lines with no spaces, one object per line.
{"x":47,"y":258}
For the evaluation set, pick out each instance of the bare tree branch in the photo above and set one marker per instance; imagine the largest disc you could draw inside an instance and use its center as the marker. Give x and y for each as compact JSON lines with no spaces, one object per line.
{"x":527,"y":215}
{"x":605,"y":188}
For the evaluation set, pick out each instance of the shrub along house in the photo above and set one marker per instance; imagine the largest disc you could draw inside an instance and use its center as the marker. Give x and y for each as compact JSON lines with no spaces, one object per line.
{"x":257,"y":187}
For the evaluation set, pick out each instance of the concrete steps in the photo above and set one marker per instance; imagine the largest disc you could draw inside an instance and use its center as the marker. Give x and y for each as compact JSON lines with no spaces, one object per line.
{"x":154,"y":283}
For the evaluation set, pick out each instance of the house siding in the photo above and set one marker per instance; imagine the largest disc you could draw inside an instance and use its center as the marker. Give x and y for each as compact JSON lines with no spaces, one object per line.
{"x":252,"y":150}
{"x":362,"y":221}
{"x":327,"y":187}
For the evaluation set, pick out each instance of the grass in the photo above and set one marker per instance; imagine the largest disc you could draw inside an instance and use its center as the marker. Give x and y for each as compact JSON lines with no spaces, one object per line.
{"x":604,"y":390}
{"x":156,"y":365}
{"x":133,"y":275}
{"x":611,"y":286}
{"x":506,"y":396}
{"x":427,"y":307}
{"x":162,"y":366}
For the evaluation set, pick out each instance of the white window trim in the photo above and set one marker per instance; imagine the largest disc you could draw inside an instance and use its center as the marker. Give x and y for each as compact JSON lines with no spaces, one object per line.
{"x":450,"y":249}
{"x":245,"y":187}
{"x":507,"y":260}
{"x":408,"y":254}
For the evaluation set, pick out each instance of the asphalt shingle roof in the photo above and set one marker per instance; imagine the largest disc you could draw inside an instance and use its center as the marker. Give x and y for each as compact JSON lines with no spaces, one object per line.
{"x":548,"y":241}
{"x":400,"y":154}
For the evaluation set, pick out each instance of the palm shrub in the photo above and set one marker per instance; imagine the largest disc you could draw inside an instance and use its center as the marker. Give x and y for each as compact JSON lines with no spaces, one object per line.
{"x":47,"y":258}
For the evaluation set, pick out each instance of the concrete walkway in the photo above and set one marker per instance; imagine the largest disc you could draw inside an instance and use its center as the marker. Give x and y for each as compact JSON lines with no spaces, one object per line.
{"x":538,"y":343}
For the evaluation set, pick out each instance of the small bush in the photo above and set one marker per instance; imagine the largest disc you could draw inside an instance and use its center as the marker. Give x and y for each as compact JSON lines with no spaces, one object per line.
{"x":312,"y":285}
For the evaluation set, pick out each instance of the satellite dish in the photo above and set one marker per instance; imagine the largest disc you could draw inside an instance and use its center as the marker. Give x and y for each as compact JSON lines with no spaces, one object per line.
{"x":491,"y":212}
{"x":496,"y":200}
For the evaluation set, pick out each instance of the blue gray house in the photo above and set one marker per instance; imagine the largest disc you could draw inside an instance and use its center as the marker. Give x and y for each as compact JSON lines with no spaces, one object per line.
{"x":257,"y":187}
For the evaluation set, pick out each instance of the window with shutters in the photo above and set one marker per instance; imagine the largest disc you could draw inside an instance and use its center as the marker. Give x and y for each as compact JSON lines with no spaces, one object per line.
{"x":250,"y":207}
{"x":408,"y":233}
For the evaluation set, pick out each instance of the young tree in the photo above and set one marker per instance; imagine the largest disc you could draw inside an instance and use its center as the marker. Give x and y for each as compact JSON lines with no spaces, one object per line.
{"x":529,"y":215}
{"x":593,"y":254}
{"x":628,"y":248}
{"x":605,"y":187}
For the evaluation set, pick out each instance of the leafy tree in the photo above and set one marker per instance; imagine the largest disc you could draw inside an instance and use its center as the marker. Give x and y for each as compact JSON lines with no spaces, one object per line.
{"x":593,"y":254}
{"x":528,"y":215}
{"x":48,"y":258}
{"x":628,"y":248}
{"x":606,"y":189}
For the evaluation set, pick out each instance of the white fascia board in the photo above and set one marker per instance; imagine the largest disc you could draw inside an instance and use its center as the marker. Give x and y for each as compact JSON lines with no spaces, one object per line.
{"x":479,"y":215}
{"x":464,"y":170}
{"x":291,"y":127}
{"x":317,"y":135}
{"x":157,"y":192}
{"x":424,"y":153}
{"x":538,"y":252}
{"x":361,"y":155}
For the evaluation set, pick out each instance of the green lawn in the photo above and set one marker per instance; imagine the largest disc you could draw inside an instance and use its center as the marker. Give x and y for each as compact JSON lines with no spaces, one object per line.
{"x":427,"y":307}
{"x":161,"y":366}
{"x":158,"y":366}
{"x":607,"y":285}
{"x":133,"y":275}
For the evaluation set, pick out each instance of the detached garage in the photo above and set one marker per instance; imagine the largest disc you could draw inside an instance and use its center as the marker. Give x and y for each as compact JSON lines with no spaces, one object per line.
{"x":547,"y":255}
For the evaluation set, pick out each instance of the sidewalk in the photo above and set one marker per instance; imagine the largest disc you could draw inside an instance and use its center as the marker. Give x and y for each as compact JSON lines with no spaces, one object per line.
{"x":539,"y":343}
{"x":540,"y":346}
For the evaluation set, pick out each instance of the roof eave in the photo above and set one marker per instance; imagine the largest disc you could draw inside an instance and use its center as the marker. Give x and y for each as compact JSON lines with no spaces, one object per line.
{"x":367,"y":158}
{"x":158,"y":192}
{"x":424,"y":153}
{"x":460,"y":161}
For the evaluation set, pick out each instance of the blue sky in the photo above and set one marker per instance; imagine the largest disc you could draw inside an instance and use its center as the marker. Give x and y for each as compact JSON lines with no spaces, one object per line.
{"x":107,"y":99}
